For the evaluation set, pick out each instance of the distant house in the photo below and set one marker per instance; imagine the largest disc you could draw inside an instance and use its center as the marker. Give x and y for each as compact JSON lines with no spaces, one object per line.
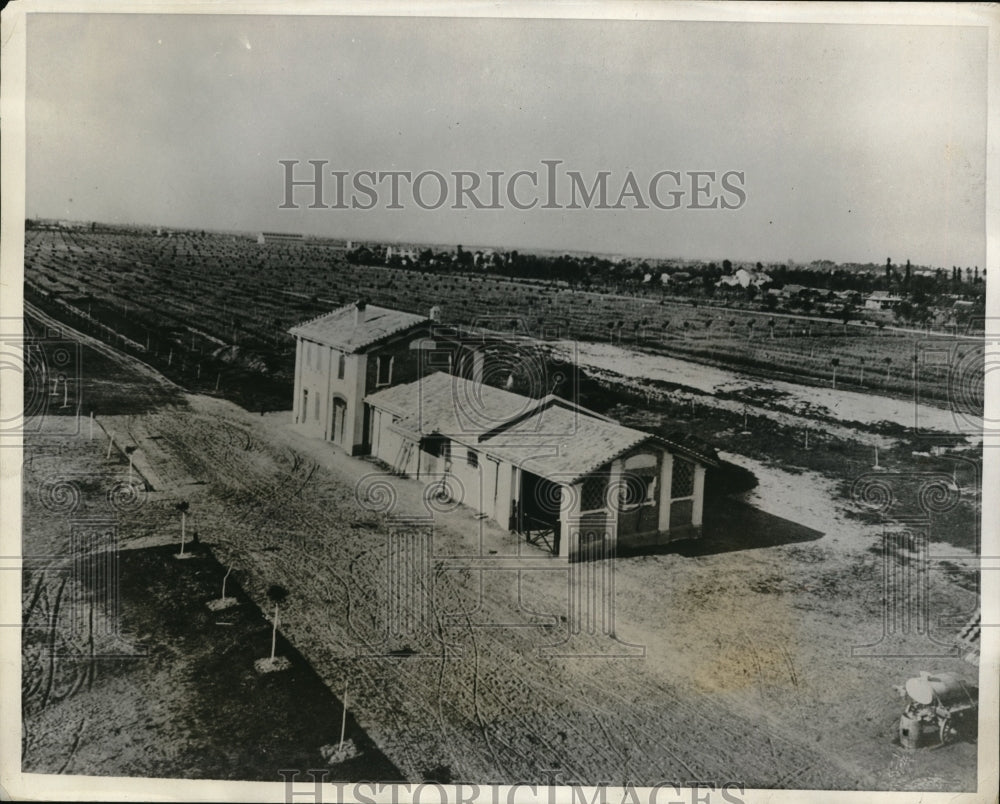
{"x":279,"y":237}
{"x":400,"y":253}
{"x":793,"y":291}
{"x":485,"y":257}
{"x":544,"y":466}
{"x":882,"y":300}
{"x":746,"y":278}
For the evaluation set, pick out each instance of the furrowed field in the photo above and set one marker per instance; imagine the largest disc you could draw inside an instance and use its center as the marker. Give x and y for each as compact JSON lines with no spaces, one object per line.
{"x":212,"y":311}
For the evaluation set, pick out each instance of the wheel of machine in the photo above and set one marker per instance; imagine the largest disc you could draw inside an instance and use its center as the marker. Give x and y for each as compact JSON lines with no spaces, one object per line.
{"x":945,"y":732}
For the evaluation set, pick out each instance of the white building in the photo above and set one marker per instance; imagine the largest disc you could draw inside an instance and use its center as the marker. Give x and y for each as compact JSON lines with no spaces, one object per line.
{"x":408,"y":390}
{"x":882,"y":300}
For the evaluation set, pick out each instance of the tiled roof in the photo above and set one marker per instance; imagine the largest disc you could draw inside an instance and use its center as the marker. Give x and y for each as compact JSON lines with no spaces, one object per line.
{"x":449,"y":405}
{"x":565,"y":445}
{"x":337,"y":329}
{"x":559,"y":441}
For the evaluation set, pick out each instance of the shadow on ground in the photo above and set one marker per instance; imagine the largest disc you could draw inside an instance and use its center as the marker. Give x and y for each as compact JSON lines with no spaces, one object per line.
{"x":224,"y":720}
{"x":732,"y":525}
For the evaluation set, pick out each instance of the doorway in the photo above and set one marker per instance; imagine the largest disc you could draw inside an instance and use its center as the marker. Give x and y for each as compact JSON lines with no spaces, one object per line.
{"x":338,"y":421}
{"x":539,"y":510}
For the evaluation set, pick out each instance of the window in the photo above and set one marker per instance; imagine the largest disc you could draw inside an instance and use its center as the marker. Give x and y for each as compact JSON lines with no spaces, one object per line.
{"x":340,"y":365}
{"x":316,"y":406}
{"x":472,"y":458}
{"x":594,"y":491}
{"x":383,"y":371}
{"x":305,"y":403}
{"x":682,"y":482}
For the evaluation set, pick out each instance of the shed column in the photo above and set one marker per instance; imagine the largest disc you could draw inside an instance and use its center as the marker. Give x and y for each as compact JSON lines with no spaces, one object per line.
{"x":699,"y":494}
{"x":613,"y":505}
{"x":569,"y":516}
{"x":666,"y":480}
{"x":515,"y":497}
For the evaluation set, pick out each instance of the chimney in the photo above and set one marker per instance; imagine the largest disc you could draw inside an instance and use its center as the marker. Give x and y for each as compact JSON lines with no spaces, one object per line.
{"x":435,"y":314}
{"x":359,"y":312}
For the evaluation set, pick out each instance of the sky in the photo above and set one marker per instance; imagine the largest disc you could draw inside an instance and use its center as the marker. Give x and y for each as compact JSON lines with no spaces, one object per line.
{"x":856,"y":143}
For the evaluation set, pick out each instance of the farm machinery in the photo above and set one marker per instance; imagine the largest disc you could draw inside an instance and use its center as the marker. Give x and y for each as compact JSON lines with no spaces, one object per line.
{"x":940,"y":708}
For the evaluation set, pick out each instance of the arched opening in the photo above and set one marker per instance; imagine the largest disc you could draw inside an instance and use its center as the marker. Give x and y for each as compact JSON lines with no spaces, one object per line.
{"x":338,"y":426}
{"x":638,"y":503}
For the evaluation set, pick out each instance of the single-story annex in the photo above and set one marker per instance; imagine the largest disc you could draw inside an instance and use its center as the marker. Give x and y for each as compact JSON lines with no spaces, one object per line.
{"x":547,"y":468}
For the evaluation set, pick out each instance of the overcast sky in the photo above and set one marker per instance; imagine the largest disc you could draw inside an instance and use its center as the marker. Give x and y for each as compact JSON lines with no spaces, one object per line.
{"x":857,"y":143}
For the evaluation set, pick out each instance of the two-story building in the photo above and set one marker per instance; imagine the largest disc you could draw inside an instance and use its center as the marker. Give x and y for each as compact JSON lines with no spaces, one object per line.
{"x":343,"y":356}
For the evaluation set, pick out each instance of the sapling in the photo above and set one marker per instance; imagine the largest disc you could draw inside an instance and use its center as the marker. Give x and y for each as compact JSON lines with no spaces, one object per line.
{"x":129,"y":452}
{"x":223,"y":602}
{"x":183,"y":508}
{"x":277,"y":595}
{"x":224,"y":579}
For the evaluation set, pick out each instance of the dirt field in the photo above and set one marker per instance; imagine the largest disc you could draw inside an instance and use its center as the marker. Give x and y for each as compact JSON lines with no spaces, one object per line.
{"x":729,"y":661}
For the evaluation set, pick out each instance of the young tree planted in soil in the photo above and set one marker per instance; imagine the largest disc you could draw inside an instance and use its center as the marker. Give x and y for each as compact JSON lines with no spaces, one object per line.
{"x":183,"y":508}
{"x":888,"y":366}
{"x":129,"y":451}
{"x":835,"y":361}
{"x":224,"y":579}
{"x":277,"y":595}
